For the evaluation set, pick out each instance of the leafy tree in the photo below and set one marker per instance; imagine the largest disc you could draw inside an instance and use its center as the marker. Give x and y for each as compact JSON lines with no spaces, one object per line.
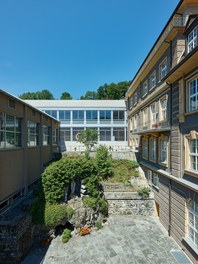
{"x":103,"y":162}
{"x":40,"y":95}
{"x":66,"y":96}
{"x":88,"y":137}
{"x":89,"y":95}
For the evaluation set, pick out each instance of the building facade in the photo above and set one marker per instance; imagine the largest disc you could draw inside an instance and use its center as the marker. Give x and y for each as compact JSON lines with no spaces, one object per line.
{"x":28,"y":141}
{"x":162,"y":104}
{"x":108,"y":117}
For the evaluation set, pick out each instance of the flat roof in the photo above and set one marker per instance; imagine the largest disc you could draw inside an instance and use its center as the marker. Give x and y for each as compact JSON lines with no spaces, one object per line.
{"x":77,"y":103}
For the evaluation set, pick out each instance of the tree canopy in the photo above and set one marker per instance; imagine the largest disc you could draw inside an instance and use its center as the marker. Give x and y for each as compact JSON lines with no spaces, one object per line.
{"x":66,"y":96}
{"x":89,"y":137}
{"x":40,"y":95}
{"x":112,"y":91}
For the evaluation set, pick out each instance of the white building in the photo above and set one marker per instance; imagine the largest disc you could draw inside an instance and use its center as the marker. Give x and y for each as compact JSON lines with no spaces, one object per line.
{"x":108,"y":117}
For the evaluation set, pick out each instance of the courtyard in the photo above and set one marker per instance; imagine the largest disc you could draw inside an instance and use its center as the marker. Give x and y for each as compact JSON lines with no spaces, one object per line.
{"x":122,"y":240}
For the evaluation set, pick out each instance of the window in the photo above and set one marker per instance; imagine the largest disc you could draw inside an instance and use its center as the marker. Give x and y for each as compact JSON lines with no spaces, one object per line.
{"x":65,"y":134}
{"x":145,"y":118}
{"x":105,"y":116}
{"x":163,"y":109}
{"x":193,"y":222}
{"x":33,"y":135}
{"x":163,"y":69}
{"x":145,"y":148}
{"x":153,"y":179}
{"x":118,"y":115}
{"x":10,"y":131}
{"x":153,"y":115}
{"x":91,"y":116}
{"x":193,"y":95}
{"x":153,"y":80}
{"x":118,"y":133}
{"x":54,"y":136}
{"x":135,"y":122}
{"x":135,"y":98}
{"x":53,"y":113}
{"x":163,"y":147}
{"x":192,"y":40}
{"x":78,"y":116}
{"x":76,"y":131}
{"x":194,"y":154}
{"x":64,"y":115}
{"x":46,"y":136}
{"x":153,"y":149}
{"x":12,"y":104}
{"x":105,"y":134}
{"x":130,"y":102}
{"x":145,"y":88}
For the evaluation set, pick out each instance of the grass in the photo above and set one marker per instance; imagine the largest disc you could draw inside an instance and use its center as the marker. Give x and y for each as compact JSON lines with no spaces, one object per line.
{"x":123,"y":170}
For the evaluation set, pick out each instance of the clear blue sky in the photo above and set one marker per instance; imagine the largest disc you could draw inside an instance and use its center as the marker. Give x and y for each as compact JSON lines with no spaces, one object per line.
{"x":76,"y":45}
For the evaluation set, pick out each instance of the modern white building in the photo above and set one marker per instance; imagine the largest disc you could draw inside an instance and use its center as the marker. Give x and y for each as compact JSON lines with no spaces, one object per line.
{"x":108,"y":117}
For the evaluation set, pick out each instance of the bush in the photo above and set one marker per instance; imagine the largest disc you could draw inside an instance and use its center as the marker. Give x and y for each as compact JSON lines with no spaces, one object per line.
{"x":134,"y":164}
{"x":103,"y":162}
{"x":98,"y":225}
{"x":103,"y":206}
{"x":57,"y":176}
{"x":56,"y":213}
{"x":144,"y":192}
{"x":66,"y":235}
{"x":90,"y":202}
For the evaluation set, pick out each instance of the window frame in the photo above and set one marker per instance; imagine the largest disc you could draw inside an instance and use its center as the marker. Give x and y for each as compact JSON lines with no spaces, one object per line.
{"x":151,"y":81}
{"x":162,"y":70}
{"x":34,"y":133}
{"x":145,"y":146}
{"x":145,"y":88}
{"x":162,"y":139}
{"x":192,"y":43}
{"x":163,"y":117}
{"x":191,"y":223}
{"x":195,"y":78}
{"x":153,"y":149}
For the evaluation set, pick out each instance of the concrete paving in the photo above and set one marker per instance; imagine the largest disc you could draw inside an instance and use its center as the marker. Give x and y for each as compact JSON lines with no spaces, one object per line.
{"x":123,"y":240}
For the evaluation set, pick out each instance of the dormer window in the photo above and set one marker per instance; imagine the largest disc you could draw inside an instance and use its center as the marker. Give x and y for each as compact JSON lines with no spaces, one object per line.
{"x":192,"y":40}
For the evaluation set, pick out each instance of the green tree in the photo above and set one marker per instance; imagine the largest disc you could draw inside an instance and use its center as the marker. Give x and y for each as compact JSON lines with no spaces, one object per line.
{"x":66,"y":96}
{"x":103,"y":162}
{"x":89,"y":95}
{"x":89,"y":137}
{"x":39,"y":95}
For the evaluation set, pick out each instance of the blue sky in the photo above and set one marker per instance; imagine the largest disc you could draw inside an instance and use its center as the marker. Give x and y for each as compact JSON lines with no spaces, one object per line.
{"x":76,"y":45}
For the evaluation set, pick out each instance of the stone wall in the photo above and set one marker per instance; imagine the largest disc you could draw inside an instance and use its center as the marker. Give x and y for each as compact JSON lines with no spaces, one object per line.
{"x":123,"y":200}
{"x":16,"y":238}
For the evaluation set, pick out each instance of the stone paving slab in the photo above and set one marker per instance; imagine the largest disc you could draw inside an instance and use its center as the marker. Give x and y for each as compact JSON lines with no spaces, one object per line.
{"x":123,"y":240}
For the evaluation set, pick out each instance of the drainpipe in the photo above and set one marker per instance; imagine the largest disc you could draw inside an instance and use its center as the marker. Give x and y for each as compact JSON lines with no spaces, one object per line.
{"x":170,"y":201}
{"x":170,"y":162}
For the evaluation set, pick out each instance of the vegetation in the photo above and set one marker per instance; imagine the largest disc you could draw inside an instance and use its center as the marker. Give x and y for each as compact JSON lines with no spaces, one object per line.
{"x":90,"y":202}
{"x":144,"y":192}
{"x":66,"y":96}
{"x":42,"y":95}
{"x":88,"y":137}
{"x":122,"y":170}
{"x":112,"y":91}
{"x":98,"y":225}
{"x":66,"y":235}
{"x":103,"y":162}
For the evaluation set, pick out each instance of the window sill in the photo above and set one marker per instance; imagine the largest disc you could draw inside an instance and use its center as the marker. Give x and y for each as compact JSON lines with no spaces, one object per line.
{"x":191,"y":173}
{"x":190,"y":244}
{"x":163,"y":121}
{"x":152,"y":88}
{"x":144,"y":95}
{"x":164,"y":164}
{"x":191,"y":113}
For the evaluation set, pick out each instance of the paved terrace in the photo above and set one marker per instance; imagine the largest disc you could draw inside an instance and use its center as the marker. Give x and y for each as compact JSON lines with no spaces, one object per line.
{"x":123,"y":239}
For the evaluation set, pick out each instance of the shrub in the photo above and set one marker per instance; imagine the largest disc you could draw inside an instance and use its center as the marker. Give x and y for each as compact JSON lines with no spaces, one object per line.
{"x":66,"y":235}
{"x":103,"y":206}
{"x":103,"y":162}
{"x":134,"y":164}
{"x":92,"y":185}
{"x":55,"y":214}
{"x":98,"y":225}
{"x":144,"y":192}
{"x":90,"y":202}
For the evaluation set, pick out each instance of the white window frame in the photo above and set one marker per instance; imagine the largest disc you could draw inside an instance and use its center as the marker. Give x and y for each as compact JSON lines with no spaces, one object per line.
{"x":153,"y":114}
{"x":192,"y":40}
{"x":193,"y":155}
{"x":163,"y":69}
{"x":145,"y":118}
{"x":163,"y":109}
{"x":153,"y":149}
{"x":145,"y":148}
{"x":192,"y":222}
{"x":163,"y":150}
{"x":193,"y":87}
{"x":135,"y":98}
{"x":193,"y":135}
{"x":145,"y":88}
{"x":153,"y":80}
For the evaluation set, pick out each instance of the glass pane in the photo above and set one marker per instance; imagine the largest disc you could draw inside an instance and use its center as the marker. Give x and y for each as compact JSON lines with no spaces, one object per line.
{"x":9,"y":123}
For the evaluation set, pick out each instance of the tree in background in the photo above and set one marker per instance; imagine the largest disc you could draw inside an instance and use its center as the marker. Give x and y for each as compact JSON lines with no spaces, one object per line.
{"x":40,"y":95}
{"x":66,"y":96}
{"x":89,"y":137}
{"x":112,"y":91}
{"x":89,"y":95}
